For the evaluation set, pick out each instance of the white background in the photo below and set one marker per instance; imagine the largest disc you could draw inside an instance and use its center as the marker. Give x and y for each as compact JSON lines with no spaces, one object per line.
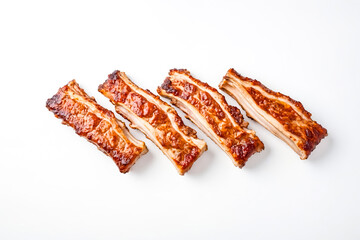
{"x":56,"y":185}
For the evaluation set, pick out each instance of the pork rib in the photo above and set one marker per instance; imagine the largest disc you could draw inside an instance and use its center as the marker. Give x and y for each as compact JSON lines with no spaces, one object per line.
{"x":208,"y":109}
{"x":97,"y":124}
{"x":156,"y":119}
{"x":281,"y":115}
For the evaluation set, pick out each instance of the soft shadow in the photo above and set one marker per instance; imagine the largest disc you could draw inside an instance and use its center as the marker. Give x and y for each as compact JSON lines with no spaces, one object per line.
{"x":323,"y":150}
{"x":201,"y":165}
{"x":257,"y":159}
{"x":143,"y":163}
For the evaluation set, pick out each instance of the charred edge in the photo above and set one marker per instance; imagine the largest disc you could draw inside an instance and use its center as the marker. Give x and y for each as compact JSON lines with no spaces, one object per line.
{"x":314,"y":137}
{"x":236,"y":114}
{"x":101,"y":87}
{"x":242,"y":152}
{"x":114,"y":75}
{"x":167,"y":87}
{"x":123,"y":162}
{"x":54,"y":101}
{"x":190,"y":158}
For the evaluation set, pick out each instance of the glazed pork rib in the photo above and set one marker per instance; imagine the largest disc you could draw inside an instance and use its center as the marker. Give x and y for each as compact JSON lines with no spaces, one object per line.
{"x":208,"y":109}
{"x":97,"y":124}
{"x":281,"y":115}
{"x":156,"y":119}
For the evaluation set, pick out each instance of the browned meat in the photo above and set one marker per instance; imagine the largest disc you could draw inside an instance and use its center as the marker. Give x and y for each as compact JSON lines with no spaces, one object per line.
{"x":156,"y":119}
{"x":97,"y":124}
{"x":281,"y":115}
{"x":208,"y":109}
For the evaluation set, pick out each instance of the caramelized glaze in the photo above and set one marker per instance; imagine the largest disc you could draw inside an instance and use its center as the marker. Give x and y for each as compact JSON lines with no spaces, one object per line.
{"x":226,"y":122}
{"x":177,"y":142}
{"x":95,"y":123}
{"x":292,"y":121}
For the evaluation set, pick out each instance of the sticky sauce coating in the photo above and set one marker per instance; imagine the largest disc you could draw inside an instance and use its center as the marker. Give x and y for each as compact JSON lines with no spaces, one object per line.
{"x":95,"y":123}
{"x":283,"y":116}
{"x":231,"y":135}
{"x":120,"y":93}
{"x":308,"y":131}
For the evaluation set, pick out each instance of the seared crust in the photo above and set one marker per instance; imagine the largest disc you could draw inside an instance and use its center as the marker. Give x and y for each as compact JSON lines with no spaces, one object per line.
{"x":282,"y":115}
{"x":97,"y":124}
{"x":156,"y":119}
{"x":210,"y":112}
